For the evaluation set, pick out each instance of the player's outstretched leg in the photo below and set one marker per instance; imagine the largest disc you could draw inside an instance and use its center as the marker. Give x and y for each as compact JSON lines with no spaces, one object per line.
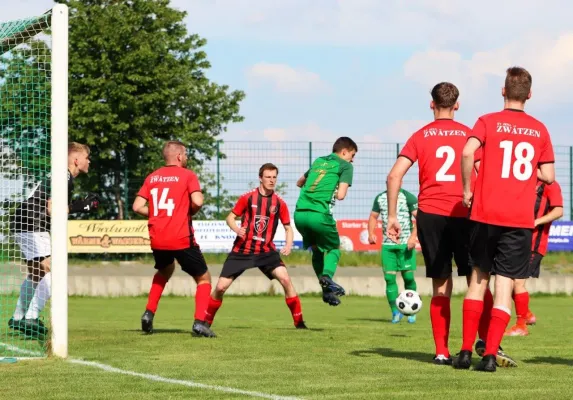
{"x":160,"y":279}
{"x":331,"y":259}
{"x":521,"y":300}
{"x":318,"y":265}
{"x":216,"y":299}
{"x":410,"y":284}
{"x":392,"y":295}
{"x":291,"y":297}
{"x":26,"y":293}
{"x":201,"y":325}
{"x":440,"y":316}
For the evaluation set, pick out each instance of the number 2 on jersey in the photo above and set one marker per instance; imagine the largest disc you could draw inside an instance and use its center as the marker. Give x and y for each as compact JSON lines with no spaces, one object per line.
{"x":450,"y":154}
{"x":164,"y":202}
{"x":521,"y":160}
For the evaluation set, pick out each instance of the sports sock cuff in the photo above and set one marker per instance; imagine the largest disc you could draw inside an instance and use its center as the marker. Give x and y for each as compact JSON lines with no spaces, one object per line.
{"x":159,"y":279}
{"x":473,"y":305}
{"x":520,"y":296}
{"x":215,"y":301}
{"x":497,"y":310}
{"x":440,"y":300}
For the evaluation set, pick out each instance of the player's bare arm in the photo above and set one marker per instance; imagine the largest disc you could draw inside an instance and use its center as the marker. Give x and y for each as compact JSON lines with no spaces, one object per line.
{"x":197,"y":199}
{"x":372,"y":222}
{"x":342,"y":190}
{"x":393,"y":183}
{"x":301,"y":181}
{"x":232,"y":223}
{"x":468,"y":164}
{"x":546,"y":173}
{"x":554,"y":214}
{"x":289,"y":239}
{"x":414,"y":235}
{"x":140,"y":206}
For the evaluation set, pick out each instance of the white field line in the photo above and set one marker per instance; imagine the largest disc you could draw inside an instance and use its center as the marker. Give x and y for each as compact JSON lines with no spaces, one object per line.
{"x":155,"y":378}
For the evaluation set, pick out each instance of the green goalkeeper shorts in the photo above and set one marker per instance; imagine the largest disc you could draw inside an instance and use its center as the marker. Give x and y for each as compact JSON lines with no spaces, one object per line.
{"x":317,"y":230}
{"x":396,"y":258}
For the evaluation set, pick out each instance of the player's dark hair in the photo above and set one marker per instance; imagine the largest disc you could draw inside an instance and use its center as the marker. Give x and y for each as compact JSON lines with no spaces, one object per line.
{"x":445,"y":95}
{"x":517,"y":84}
{"x":267,"y":167}
{"x":343,"y":143}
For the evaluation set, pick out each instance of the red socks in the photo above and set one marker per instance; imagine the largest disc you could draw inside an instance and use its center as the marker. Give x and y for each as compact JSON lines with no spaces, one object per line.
{"x":521,"y":307}
{"x":295,"y":308}
{"x":440,"y":316}
{"x":486,"y":315}
{"x":212,"y":309}
{"x":497,"y":327}
{"x":202,"y":295}
{"x":155,"y":292}
{"x":472,"y":310}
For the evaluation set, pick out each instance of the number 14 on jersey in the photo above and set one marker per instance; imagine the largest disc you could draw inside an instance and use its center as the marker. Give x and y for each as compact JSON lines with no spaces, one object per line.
{"x":164,"y":202}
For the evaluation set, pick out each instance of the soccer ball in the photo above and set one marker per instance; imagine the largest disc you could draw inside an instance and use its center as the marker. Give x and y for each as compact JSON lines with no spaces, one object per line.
{"x":409,"y":302}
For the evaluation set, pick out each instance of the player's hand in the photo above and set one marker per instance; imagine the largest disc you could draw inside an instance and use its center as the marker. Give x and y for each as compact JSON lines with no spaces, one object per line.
{"x":468,"y":197}
{"x":285,"y":251}
{"x":393,"y":230}
{"x":242,"y":232}
{"x":536,"y":223}
{"x":411,"y":243}
{"x":372,"y":239}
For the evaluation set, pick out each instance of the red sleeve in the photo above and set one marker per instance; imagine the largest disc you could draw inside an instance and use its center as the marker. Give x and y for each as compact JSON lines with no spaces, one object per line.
{"x":554,"y":195}
{"x":546,"y":155}
{"x":410,"y":150}
{"x":144,"y":191}
{"x":241,"y":205}
{"x":283,"y":213}
{"x":478,"y":131}
{"x":193,"y":183}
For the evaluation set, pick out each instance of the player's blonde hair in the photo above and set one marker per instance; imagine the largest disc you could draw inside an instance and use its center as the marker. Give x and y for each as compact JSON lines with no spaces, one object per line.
{"x":75,"y":147}
{"x":169,"y":146}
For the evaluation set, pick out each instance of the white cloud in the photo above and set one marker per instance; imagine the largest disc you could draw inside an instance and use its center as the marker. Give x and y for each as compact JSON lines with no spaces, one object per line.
{"x":364,"y":22}
{"x":549,"y":59}
{"x":286,"y":79}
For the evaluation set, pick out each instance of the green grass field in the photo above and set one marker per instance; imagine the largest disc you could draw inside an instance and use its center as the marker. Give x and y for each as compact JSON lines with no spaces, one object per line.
{"x":350,"y":352}
{"x":561,"y":262}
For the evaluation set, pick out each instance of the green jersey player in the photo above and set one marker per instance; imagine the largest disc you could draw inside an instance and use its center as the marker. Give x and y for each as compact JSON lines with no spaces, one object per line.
{"x":327,"y":180}
{"x":396,"y":257}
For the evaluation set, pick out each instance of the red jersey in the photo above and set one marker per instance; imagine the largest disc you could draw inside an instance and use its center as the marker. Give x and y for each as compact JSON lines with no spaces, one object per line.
{"x":514,"y":144}
{"x":438,"y":149}
{"x":547,"y":197}
{"x":168,"y":191}
{"x":260,"y":215}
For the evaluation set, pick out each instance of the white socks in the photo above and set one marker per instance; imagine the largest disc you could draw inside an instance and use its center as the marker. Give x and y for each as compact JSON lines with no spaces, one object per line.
{"x":26,"y":294}
{"x":41,"y":297}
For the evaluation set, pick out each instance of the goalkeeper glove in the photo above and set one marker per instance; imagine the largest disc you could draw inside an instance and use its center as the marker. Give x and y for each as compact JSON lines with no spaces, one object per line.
{"x":87,"y":204}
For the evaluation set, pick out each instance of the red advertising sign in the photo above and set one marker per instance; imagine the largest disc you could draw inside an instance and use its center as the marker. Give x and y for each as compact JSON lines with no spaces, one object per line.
{"x":354,"y":235}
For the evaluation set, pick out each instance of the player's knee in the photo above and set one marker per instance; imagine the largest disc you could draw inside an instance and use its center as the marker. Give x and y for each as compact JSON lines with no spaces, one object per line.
{"x":390,"y":277}
{"x":222,"y":286}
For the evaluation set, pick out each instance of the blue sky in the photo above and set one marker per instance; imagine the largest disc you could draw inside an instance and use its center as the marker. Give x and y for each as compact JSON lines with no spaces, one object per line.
{"x":319,"y":69}
{"x":323,"y":68}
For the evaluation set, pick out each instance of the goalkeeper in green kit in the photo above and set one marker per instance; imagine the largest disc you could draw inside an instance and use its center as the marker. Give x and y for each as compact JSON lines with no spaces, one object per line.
{"x":327,"y":180}
{"x":396,"y":257}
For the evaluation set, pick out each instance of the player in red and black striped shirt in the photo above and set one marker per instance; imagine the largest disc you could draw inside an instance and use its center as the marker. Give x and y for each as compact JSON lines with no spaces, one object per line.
{"x":174,"y":196}
{"x":260,"y":210}
{"x":548,"y":208}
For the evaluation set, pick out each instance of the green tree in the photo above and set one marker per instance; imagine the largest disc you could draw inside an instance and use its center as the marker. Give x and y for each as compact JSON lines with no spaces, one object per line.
{"x":137,"y":78}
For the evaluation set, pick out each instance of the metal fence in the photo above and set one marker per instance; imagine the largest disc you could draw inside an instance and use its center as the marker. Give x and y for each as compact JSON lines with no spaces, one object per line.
{"x":238,"y":171}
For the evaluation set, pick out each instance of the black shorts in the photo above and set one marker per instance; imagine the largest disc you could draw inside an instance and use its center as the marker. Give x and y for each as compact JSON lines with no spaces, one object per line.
{"x":442,"y":237}
{"x":237,"y":263}
{"x":501,"y":250}
{"x":191,"y":260}
{"x":535,"y":264}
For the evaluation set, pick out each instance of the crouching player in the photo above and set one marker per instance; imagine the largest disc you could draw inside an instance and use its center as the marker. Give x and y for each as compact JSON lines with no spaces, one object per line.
{"x":548,"y":208}
{"x":260,"y":211}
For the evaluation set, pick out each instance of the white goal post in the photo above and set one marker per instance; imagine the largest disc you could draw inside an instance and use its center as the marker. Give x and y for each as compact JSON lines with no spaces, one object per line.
{"x":59,"y":195}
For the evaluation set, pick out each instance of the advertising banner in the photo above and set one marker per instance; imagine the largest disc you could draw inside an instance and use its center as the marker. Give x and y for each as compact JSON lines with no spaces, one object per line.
{"x":354,"y":235}
{"x":561,"y":236}
{"x":132,"y":236}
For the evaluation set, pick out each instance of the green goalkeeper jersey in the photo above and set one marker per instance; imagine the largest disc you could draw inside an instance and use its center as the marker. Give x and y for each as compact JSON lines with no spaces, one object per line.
{"x":319,"y":191}
{"x":407,"y":204}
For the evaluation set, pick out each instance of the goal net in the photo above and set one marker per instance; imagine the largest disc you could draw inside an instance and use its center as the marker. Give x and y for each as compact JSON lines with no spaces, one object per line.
{"x":33,"y":127}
